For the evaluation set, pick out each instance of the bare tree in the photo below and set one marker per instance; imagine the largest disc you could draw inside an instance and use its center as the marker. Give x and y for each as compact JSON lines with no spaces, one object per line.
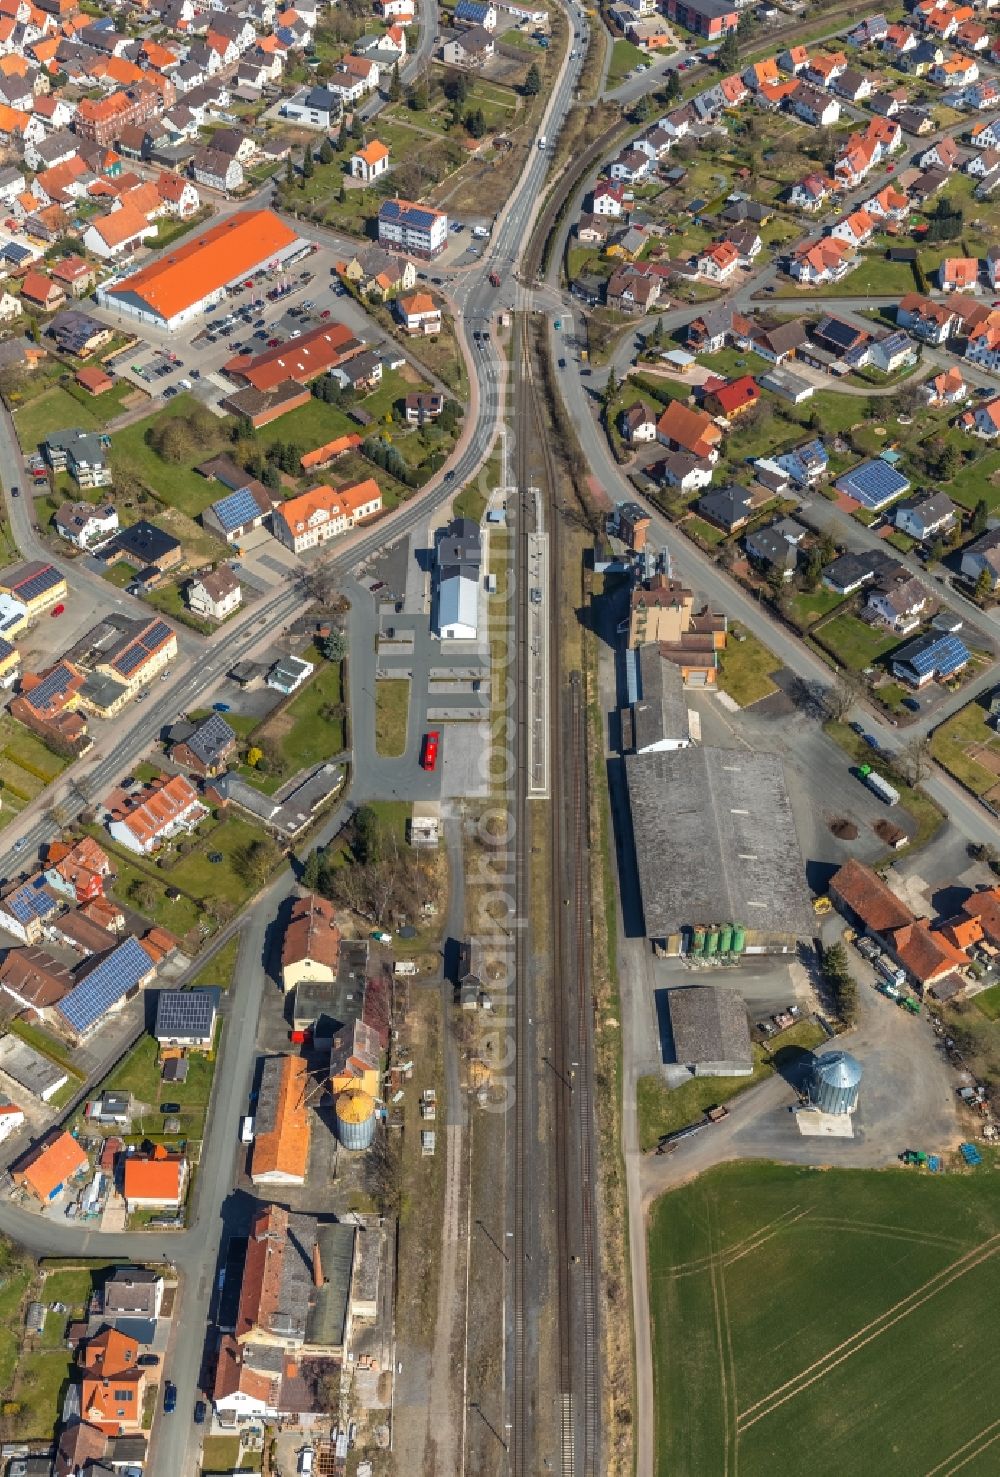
{"x":321,"y":583}
{"x":915,"y":758}
{"x":844,"y":693}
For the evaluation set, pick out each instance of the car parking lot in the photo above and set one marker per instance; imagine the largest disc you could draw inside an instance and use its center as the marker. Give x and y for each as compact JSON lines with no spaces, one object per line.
{"x":261,"y":311}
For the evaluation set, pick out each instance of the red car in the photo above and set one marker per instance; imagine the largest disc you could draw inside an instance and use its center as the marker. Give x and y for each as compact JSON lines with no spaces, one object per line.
{"x":58,"y":609}
{"x":429,"y":750}
{"x":325,"y":313}
{"x":273,"y":343}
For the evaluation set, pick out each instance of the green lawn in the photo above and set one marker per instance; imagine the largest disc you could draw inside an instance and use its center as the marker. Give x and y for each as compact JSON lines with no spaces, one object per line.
{"x":808,"y":1307}
{"x":976,"y":480}
{"x":855,"y":644}
{"x":176,"y":484}
{"x":665,"y":1110}
{"x":392,"y":707}
{"x":170,"y":600}
{"x":71,"y":1285}
{"x":313,"y":738}
{"x":745,"y":669}
{"x":13,"y":1287}
{"x":221,"y":968}
{"x":139,"y":1074}
{"x":808,"y":606}
{"x":988,"y":1002}
{"x":27,"y":767}
{"x":58,"y":409}
{"x":624,"y":58}
{"x":965,"y":731}
{"x":179,"y":915}
{"x":42,"y":1378}
{"x":703,"y":531}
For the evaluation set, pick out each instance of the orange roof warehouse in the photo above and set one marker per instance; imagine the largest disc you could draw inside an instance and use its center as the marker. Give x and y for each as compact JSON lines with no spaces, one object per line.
{"x":177,"y":286}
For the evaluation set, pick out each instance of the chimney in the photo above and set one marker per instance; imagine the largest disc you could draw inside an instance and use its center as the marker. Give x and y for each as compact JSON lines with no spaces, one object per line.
{"x":317,"y":1266}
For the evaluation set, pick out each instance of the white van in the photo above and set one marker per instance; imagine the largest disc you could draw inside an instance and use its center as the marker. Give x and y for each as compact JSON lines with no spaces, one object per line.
{"x":246,"y":1131}
{"x":481,"y":232}
{"x":306,"y":1458}
{"x":541,"y":142}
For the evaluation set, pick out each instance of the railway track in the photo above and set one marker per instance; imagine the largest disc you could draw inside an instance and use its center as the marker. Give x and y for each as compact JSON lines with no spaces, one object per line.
{"x":562,"y":1076}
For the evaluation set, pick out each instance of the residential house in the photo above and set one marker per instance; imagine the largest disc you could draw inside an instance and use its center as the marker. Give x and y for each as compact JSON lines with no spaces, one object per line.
{"x":155,"y":1181}
{"x":39,"y":289}
{"x":824,"y":261}
{"x":77,"y":872}
{"x":929,"y":658}
{"x":933,"y":514}
{"x":186,"y":1021}
{"x":776,"y":546}
{"x":637,"y":424}
{"x":729,"y":508}
{"x":718,"y":262}
{"x":814,"y":106}
{"x":981,"y":560}
{"x":133,"y":1292}
{"x":85,"y":524}
{"x":899,"y":602}
{"x":927,"y":320}
{"x":959,"y":274}
{"x":83,"y":454}
{"x":310,"y":948}
{"x":167,"y":807}
{"x":419,"y":314}
{"x":732,"y":398}
{"x":323,"y":512}
{"x":215,"y":595}
{"x":810,"y":193}
{"x":946,"y":388}
{"x":204,"y":746}
{"x":422,"y":407}
{"x":683,"y":429}
{"x":217,"y":171}
{"x":47,"y":1168}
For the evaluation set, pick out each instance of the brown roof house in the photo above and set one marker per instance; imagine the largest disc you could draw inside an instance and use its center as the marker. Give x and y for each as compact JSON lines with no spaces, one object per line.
{"x":867,"y":901}
{"x":311,"y":946}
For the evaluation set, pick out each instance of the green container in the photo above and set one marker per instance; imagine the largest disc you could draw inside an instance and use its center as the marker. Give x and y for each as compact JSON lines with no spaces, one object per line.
{"x":739,"y":939}
{"x":726,"y":939}
{"x":712,"y":941}
{"x":698,"y":941}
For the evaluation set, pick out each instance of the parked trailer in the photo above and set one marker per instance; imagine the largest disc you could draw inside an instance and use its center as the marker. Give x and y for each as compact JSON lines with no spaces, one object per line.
{"x":878,"y":785}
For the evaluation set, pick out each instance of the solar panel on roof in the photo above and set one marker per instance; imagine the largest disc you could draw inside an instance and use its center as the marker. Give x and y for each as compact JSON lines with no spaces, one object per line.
{"x":30,"y":902}
{"x":185,"y":1012}
{"x":106,"y":984}
{"x":157,"y":633}
{"x":873,"y":483}
{"x":238,"y":508}
{"x":132,"y":657}
{"x":38,"y":583}
{"x":51,"y":686}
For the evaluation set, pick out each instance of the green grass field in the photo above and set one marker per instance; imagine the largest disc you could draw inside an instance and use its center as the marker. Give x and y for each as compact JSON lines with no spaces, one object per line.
{"x":956,"y":744}
{"x":745,"y":669}
{"x":392,"y":707}
{"x":855,"y":644}
{"x":847,"y":1314}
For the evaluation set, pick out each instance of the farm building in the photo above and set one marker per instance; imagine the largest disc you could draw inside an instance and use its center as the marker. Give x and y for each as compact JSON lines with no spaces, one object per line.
{"x":711,"y":1034}
{"x":717,"y":852}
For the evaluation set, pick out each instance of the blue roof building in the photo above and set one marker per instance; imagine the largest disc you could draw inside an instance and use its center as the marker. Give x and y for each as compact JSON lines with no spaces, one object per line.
{"x":115,"y":978}
{"x":873,"y":484}
{"x":476,"y":13}
{"x":23,"y":908}
{"x":934,"y":655}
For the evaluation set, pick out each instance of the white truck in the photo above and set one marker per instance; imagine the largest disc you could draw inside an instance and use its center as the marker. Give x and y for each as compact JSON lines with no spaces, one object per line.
{"x":482,"y":232}
{"x":878,"y":785}
{"x":541,"y":142}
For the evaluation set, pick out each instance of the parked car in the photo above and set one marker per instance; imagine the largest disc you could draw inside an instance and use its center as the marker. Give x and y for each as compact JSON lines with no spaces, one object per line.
{"x":169,"y":1397}
{"x":170,"y":1107}
{"x":200,"y":1411}
{"x":148,"y":1361}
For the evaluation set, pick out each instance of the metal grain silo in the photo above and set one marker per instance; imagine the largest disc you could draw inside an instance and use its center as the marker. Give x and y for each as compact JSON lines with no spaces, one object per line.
{"x":834,"y":1082}
{"x":355,"y":1116}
